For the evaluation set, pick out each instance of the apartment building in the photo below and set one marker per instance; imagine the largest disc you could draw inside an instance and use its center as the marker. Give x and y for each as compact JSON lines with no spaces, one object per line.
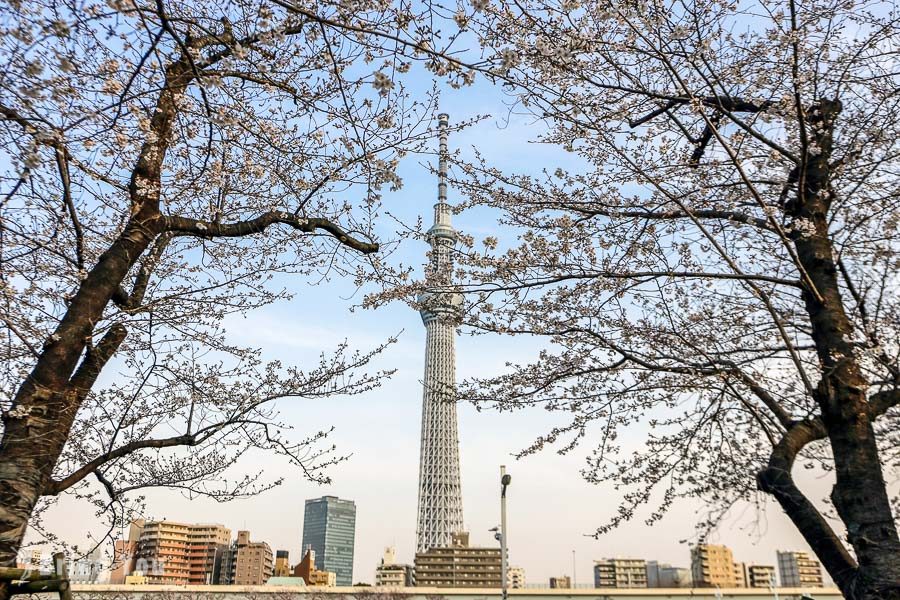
{"x":713,"y":565}
{"x":392,"y":574}
{"x":799,"y":569}
{"x":459,"y":565}
{"x":515,"y":578}
{"x":168,"y":552}
{"x":760,"y":576}
{"x":246,"y":562}
{"x":620,"y":573}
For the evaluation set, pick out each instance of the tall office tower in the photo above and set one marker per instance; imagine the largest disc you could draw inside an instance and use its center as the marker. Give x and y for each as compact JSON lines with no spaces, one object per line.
{"x":440,"y":499}
{"x":798,"y":569}
{"x":329,"y":529}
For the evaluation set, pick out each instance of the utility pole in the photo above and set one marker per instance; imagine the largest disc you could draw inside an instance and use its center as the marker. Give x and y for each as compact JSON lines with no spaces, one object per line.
{"x":504,"y":482}
{"x":574,"y":578}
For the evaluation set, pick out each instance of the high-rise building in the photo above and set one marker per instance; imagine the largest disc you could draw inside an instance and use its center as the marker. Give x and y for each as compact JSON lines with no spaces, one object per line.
{"x":667,"y":576}
{"x":712,"y":565}
{"x":282,"y":564}
{"x":206,"y":544}
{"x":620,"y":573}
{"x":459,"y":565}
{"x":173,"y":553}
{"x":798,"y":569}
{"x":391,"y":573}
{"x":440,"y":513}
{"x":329,"y":529}
{"x":760,"y":576}
{"x":515,"y":578}
{"x":246,"y":562}
{"x":740,"y":575}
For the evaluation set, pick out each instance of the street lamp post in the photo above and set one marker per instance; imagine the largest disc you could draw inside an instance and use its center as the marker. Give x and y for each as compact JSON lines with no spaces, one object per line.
{"x":504,"y":482}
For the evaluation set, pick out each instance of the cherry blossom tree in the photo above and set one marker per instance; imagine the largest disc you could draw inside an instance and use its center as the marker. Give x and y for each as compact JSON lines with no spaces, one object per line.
{"x":166,"y":165}
{"x":720,"y":272}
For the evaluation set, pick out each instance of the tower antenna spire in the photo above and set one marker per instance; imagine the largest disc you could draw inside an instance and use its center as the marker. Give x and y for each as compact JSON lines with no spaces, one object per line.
{"x":440,"y":497}
{"x":443,"y":125}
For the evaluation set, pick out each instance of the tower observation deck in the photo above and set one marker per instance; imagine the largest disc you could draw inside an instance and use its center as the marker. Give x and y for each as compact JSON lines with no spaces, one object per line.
{"x":440,"y":499}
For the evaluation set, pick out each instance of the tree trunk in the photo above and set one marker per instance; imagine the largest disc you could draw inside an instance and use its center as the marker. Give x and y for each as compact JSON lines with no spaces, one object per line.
{"x":37,"y":426}
{"x":861,"y":499}
{"x":860,"y":494}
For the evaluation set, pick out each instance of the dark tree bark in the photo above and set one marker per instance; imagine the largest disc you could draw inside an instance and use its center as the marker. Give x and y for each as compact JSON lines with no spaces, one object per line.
{"x":38,"y":424}
{"x":860,"y":493}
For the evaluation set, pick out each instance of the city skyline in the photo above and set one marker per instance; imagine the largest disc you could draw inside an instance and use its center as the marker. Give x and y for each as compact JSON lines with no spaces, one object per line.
{"x":712,"y":565}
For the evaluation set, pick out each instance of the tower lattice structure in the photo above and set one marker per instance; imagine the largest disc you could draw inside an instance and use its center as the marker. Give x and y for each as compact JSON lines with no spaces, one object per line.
{"x":440,"y":497}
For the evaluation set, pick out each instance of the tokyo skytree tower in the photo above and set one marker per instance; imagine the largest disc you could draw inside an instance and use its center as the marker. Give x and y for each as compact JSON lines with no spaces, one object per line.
{"x":440,"y":497}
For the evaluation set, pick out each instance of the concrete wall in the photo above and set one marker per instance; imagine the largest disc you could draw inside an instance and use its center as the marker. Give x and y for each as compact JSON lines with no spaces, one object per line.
{"x":300,"y":592}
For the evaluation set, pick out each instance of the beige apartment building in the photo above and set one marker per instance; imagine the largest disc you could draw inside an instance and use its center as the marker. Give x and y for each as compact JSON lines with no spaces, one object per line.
{"x":515,"y":578}
{"x":167,"y":552}
{"x":760,"y":576}
{"x":206,"y":543}
{"x":458,"y":565}
{"x":713,"y":565}
{"x":389,"y":573}
{"x":799,"y":569}
{"x":394,"y":575}
{"x":246,"y":562}
{"x":620,"y":573}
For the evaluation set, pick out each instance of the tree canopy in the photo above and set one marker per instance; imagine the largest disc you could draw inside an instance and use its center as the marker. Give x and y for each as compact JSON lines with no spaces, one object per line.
{"x":722,"y":273}
{"x":165,"y":165}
